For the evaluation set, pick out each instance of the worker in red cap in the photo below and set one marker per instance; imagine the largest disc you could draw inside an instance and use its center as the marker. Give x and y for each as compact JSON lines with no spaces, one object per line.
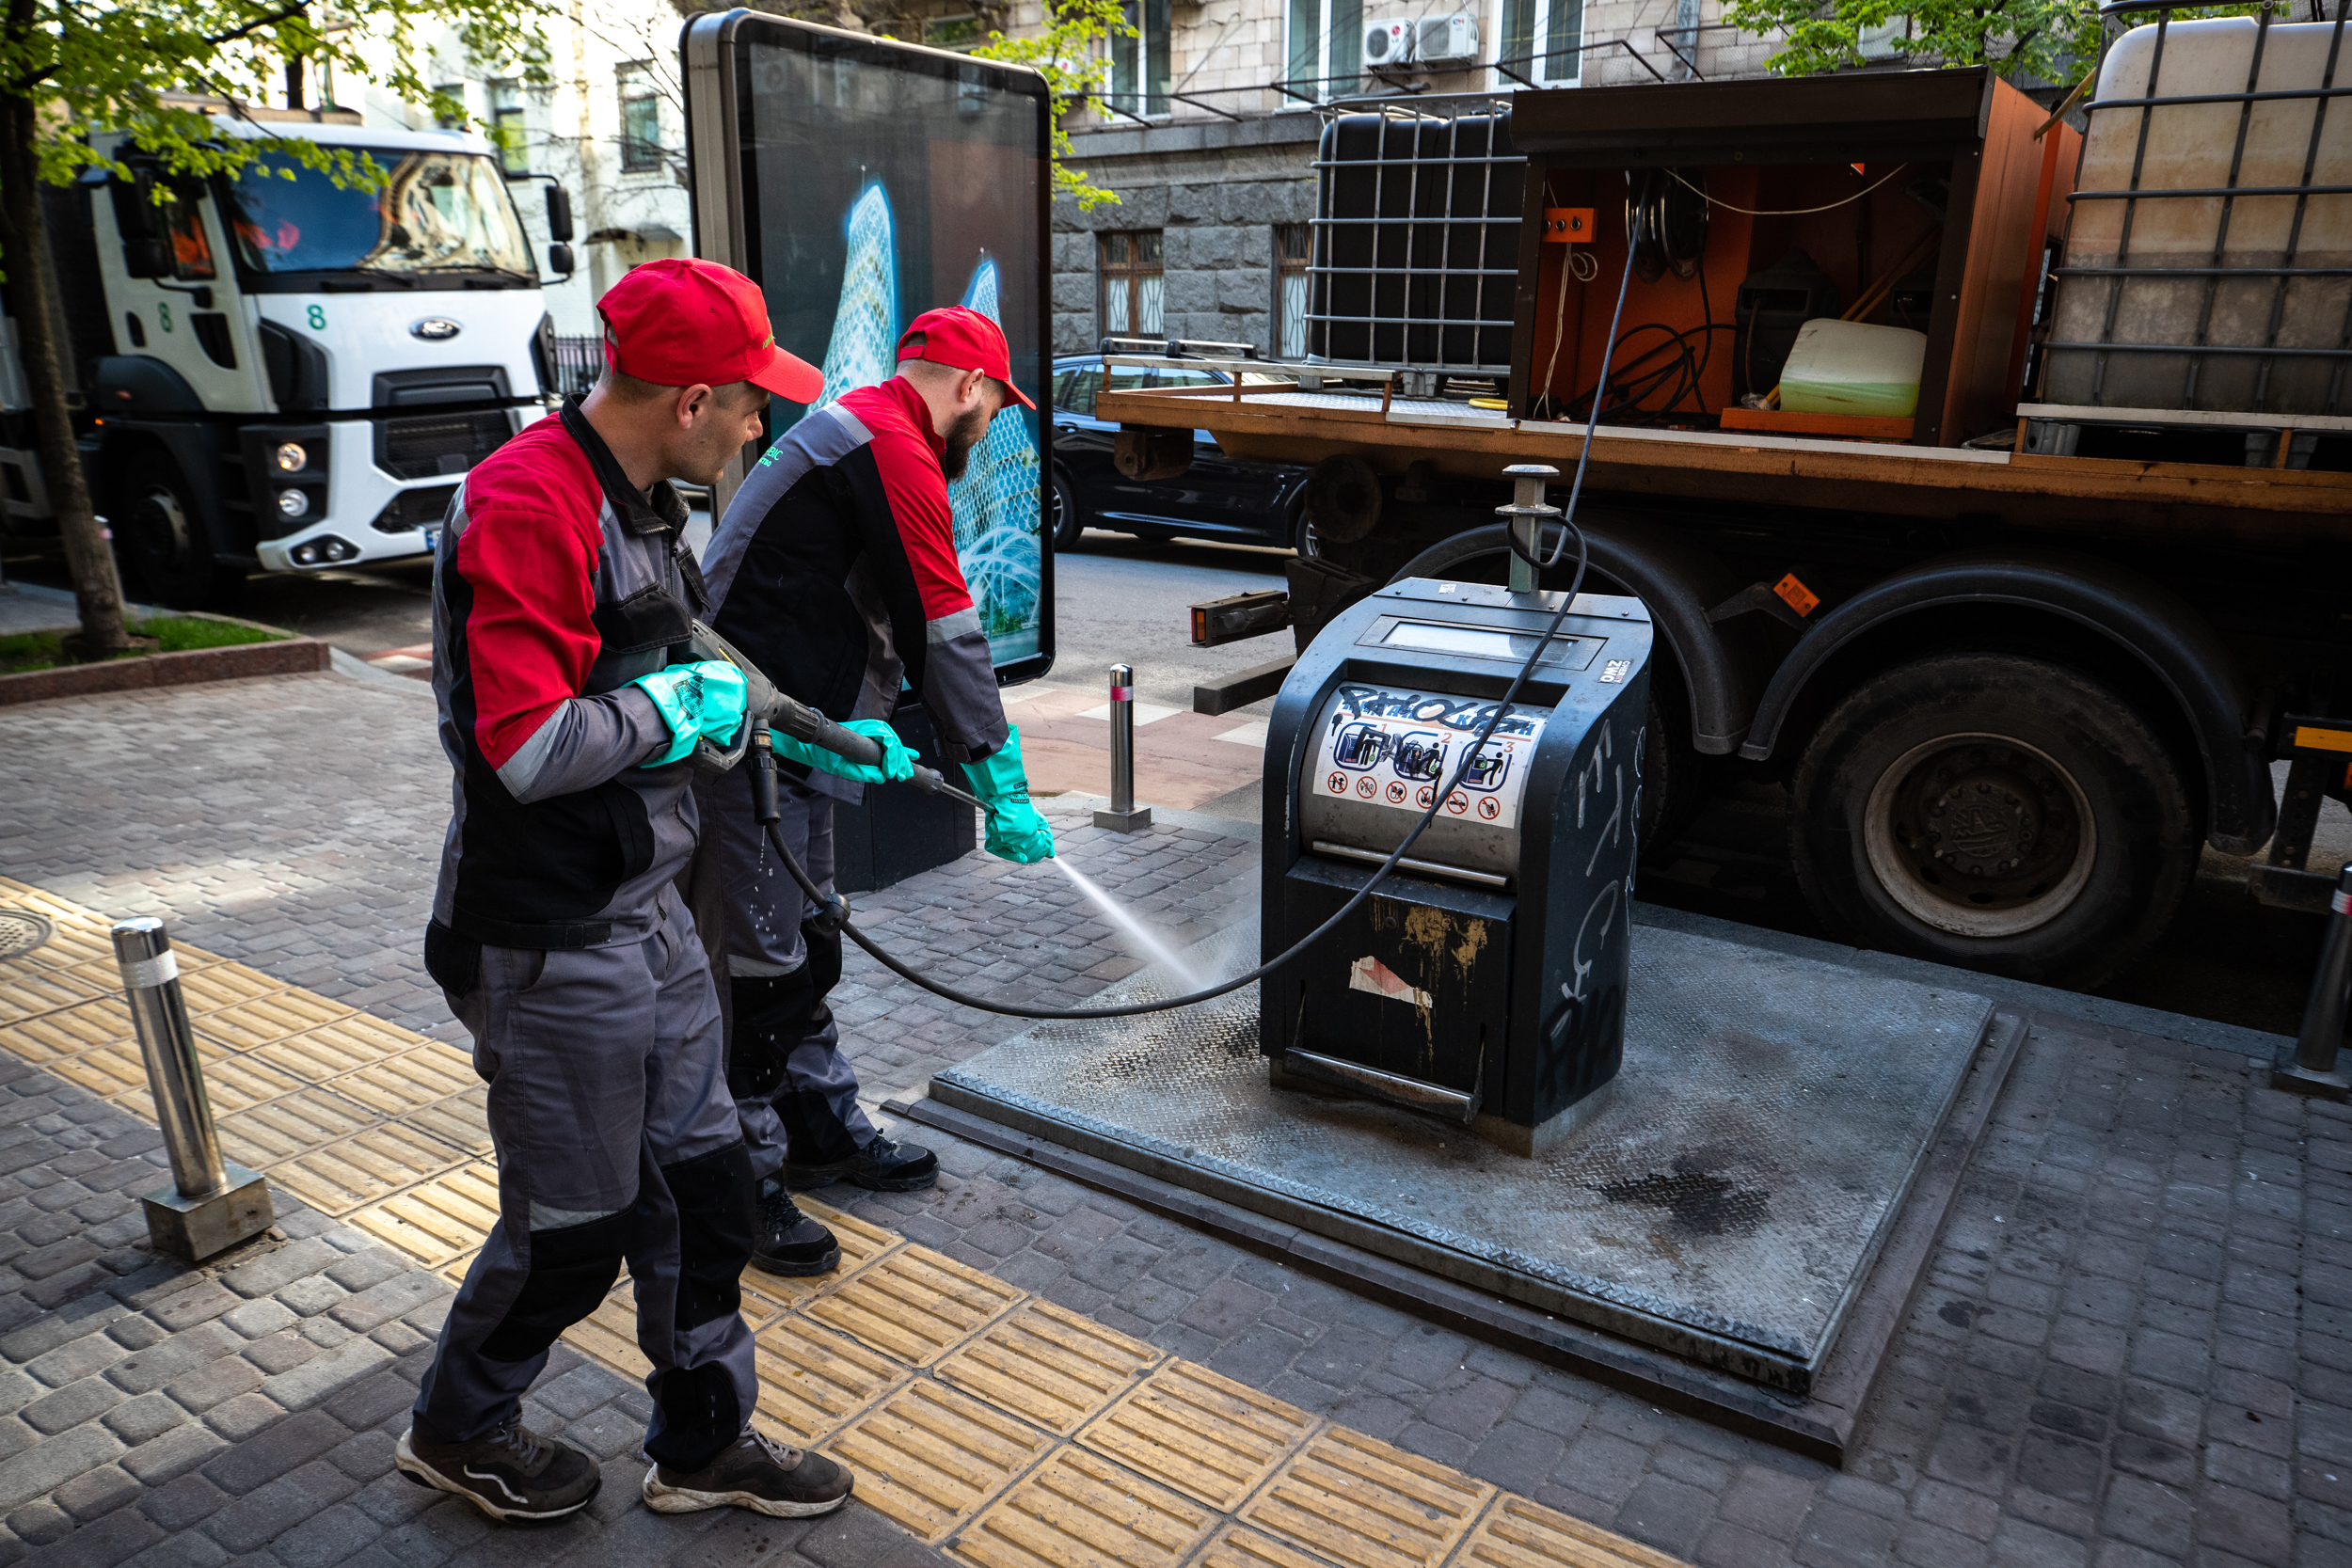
{"x":564,"y":598}
{"x":835,"y":570}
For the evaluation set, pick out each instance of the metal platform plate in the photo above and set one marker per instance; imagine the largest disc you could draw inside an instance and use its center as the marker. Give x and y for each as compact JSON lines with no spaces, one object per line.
{"x":1772,"y":1114}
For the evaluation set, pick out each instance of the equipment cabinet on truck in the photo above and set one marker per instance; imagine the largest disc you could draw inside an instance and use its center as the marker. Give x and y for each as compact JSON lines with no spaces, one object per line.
{"x":2016,"y":659}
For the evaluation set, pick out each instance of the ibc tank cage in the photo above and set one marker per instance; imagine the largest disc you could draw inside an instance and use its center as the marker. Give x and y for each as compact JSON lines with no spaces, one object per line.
{"x":2208,"y":258}
{"x":1416,"y":252}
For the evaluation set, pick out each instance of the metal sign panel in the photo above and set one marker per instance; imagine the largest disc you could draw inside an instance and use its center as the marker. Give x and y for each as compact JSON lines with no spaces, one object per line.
{"x":862,"y":182}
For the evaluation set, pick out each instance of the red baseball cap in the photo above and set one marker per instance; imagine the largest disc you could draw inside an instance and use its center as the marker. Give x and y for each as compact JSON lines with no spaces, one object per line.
{"x":680,"y":322}
{"x":962,"y":340}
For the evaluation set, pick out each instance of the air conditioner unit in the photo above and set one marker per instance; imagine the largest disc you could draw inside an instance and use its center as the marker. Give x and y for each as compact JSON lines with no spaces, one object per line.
{"x":1387,"y":44}
{"x":1443,"y":40}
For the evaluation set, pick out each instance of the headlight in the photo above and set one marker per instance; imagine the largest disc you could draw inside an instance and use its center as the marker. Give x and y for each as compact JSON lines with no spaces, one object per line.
{"x":293,"y":457}
{"x":293,"y":503}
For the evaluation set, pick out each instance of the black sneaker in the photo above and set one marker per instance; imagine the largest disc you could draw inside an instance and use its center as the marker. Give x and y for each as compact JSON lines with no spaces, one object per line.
{"x":787,"y":1241}
{"x":881,"y":1166}
{"x":514,"y":1473}
{"x":755,"y":1472}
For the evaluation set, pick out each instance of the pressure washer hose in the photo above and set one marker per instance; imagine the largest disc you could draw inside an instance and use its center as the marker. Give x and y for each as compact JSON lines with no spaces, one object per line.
{"x":833,"y":911}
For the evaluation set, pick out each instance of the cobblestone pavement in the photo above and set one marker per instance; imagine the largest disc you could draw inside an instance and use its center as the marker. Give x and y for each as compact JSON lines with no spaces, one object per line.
{"x":2134,"y":1345}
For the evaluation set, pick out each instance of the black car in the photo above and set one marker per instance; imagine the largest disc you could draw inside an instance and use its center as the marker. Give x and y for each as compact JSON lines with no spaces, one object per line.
{"x":1217,"y":497}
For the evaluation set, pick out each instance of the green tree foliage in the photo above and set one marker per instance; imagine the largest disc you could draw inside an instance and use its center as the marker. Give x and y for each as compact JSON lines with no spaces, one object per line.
{"x":1067,"y":54}
{"x":2047,"y":41}
{"x":73,"y":71}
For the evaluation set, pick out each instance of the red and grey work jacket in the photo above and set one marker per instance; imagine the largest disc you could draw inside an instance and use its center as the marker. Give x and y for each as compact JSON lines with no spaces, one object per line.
{"x":835,"y":569}
{"x":557,"y":583}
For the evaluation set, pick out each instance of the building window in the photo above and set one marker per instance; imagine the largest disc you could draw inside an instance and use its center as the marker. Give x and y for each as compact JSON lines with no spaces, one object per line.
{"x":506,"y":127}
{"x":452,"y":121}
{"x":1294,"y":243}
{"x":1541,"y":38}
{"x":1139,"y":65}
{"x":640,"y":118}
{"x":1326,"y":48}
{"x":958,"y":33}
{"x":1133,"y":284}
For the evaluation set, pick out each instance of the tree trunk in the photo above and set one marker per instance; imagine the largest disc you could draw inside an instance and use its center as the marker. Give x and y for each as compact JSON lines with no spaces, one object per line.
{"x":24,"y":251}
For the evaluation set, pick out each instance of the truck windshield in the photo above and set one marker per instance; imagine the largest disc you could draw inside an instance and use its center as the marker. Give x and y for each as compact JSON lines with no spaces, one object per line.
{"x":435,"y":212}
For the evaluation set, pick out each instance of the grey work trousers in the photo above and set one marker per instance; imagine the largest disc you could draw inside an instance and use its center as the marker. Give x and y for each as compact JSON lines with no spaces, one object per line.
{"x":811,"y":1115}
{"x":616,"y":1140}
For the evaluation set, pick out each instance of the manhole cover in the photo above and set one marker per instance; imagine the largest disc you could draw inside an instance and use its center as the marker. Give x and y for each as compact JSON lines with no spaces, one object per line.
{"x":19,"y":932}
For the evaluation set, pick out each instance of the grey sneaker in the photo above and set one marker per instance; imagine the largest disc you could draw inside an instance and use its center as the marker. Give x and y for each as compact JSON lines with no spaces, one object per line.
{"x":514,"y":1473}
{"x":755,"y":1472}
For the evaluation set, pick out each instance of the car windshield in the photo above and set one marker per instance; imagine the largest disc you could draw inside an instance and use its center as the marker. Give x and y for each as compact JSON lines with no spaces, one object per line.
{"x":435,"y":211}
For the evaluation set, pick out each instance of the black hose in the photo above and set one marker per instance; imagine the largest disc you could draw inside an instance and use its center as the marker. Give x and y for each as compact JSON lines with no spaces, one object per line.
{"x":819,"y":899}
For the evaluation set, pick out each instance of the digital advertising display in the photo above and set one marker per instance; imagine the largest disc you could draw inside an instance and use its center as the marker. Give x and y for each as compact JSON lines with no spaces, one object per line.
{"x":864,"y":182}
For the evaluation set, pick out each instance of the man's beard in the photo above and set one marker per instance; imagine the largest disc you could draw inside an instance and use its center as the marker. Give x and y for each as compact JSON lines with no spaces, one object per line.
{"x":963,"y":435}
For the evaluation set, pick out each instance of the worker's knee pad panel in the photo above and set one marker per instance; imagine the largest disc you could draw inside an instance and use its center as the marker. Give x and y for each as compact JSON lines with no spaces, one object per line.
{"x":823,"y":967}
{"x":571,"y":1269}
{"x":713,"y":1196}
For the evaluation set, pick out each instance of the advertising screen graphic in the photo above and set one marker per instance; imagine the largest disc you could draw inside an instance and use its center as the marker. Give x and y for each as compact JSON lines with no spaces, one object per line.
{"x":878,"y":180}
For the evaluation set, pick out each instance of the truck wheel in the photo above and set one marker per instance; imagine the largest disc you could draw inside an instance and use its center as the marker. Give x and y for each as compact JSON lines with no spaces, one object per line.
{"x":164,"y":541}
{"x":1067,"y":521}
{"x":1994,"y":812}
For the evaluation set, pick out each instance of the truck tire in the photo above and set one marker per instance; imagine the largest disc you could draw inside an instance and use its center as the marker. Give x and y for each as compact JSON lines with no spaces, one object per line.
{"x":1994,"y":812}
{"x":163,"y":542}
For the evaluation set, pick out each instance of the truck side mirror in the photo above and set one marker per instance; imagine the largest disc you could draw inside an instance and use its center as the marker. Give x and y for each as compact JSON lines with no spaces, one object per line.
{"x":560,"y":261}
{"x":560,"y":216}
{"x":145,"y":249}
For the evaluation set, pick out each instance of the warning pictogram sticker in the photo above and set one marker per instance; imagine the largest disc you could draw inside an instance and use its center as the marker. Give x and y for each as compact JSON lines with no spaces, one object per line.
{"x":1396,"y":793}
{"x":1490,"y":808}
{"x":1458,"y":804}
{"x":1367,"y":787}
{"x":1336,"y":784}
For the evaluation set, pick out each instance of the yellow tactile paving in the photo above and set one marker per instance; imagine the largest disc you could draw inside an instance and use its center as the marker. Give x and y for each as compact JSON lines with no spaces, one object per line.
{"x":71,"y":1031}
{"x":1516,"y":1533}
{"x":359,"y":1169}
{"x":914,"y":1304}
{"x":928,"y":1457}
{"x":272,"y":1017}
{"x":29,"y":993}
{"x":1239,"y":1547}
{"x":1079,"y":1508}
{"x":1021,"y":1434}
{"x":609,"y":1335}
{"x":234,"y":1083}
{"x":1207,"y":1435}
{"x":1364,"y":1504}
{"x":1049,"y":1366}
{"x":437,"y":1220}
{"x":398,"y":1084}
{"x":463,"y":1119}
{"x":214,"y":986}
{"x":812,"y":1380}
{"x":290,"y":1125}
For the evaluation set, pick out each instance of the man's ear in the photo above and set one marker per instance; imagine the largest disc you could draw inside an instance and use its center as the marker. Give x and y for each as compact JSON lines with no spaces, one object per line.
{"x":692,"y":401}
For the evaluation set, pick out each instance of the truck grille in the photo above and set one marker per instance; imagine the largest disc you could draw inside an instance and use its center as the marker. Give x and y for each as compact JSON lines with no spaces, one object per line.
{"x":414,"y":509}
{"x":439,"y":443}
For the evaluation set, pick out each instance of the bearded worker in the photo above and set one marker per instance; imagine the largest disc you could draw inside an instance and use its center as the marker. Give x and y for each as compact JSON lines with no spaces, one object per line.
{"x":835,"y":570}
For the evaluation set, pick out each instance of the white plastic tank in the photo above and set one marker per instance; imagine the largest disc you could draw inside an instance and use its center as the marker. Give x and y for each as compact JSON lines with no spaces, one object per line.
{"x":2190,"y":147}
{"x":1842,"y":367}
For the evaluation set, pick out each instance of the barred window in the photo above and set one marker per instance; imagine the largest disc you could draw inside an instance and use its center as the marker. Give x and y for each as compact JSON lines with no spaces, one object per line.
{"x":640,"y":118}
{"x":1133,"y":284}
{"x":1294,"y":245}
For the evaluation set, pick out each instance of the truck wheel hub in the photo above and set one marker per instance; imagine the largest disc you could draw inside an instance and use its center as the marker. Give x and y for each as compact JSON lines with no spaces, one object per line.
{"x":1980,"y":835}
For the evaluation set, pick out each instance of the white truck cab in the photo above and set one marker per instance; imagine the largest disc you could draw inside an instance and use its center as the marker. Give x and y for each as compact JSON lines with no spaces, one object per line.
{"x":288,"y":375}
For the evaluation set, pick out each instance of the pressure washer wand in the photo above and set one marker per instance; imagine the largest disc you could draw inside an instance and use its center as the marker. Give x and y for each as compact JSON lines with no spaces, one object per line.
{"x":804,"y":723}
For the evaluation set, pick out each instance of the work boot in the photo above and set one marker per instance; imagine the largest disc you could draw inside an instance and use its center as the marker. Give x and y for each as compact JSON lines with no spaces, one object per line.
{"x":786,"y":1242}
{"x":514,"y":1473}
{"x":881,"y":1166}
{"x":755,"y":1472}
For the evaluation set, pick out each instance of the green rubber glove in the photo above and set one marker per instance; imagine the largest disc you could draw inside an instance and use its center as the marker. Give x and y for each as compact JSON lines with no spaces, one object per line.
{"x":898,"y":764}
{"x":696,"y":700}
{"x":1016,"y":829}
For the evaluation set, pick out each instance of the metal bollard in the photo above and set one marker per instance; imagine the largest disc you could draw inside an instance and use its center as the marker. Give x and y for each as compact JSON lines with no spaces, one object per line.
{"x":1124,"y":816}
{"x":1525,"y":517}
{"x":2314,"y":1069}
{"x":213,"y":1203}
